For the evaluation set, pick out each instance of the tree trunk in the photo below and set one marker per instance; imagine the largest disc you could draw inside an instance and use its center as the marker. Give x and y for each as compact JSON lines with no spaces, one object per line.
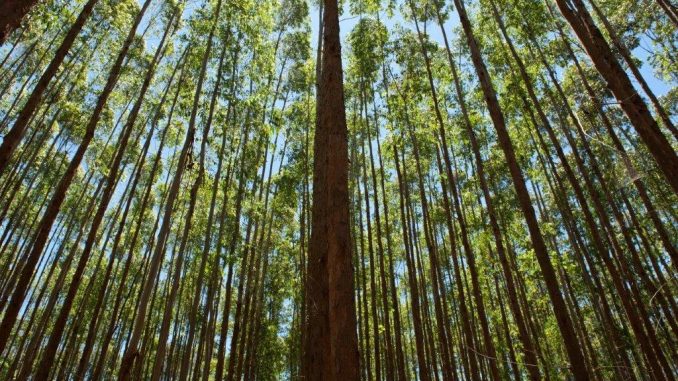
{"x":628,"y":58}
{"x":423,"y":370}
{"x":331,"y":348}
{"x":60,"y":191}
{"x":670,"y":10}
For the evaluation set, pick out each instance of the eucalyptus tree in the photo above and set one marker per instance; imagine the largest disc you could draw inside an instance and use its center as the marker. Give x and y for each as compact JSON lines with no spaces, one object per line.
{"x":329,"y":284}
{"x":464,"y":192}
{"x":619,"y":83}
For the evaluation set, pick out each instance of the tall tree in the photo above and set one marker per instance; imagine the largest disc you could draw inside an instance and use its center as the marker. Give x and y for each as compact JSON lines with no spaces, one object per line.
{"x":329,"y":282}
{"x":61,"y":188}
{"x":157,"y":219}
{"x":564,"y":321}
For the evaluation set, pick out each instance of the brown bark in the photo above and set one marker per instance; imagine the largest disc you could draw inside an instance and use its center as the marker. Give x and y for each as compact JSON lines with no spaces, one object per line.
{"x":145,"y":199}
{"x":332,"y":326}
{"x":111,"y":182}
{"x":132,"y":351}
{"x":637,"y":182}
{"x":626,"y":55}
{"x":670,"y":10}
{"x":390,"y":360}
{"x":60,"y":191}
{"x":208,"y":234}
{"x":423,"y":370}
{"x":372,"y":269}
{"x":231,"y":252}
{"x":528,"y":348}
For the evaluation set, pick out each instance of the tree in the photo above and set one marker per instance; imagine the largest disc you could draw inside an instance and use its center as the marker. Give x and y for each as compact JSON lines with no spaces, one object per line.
{"x":329,"y":284}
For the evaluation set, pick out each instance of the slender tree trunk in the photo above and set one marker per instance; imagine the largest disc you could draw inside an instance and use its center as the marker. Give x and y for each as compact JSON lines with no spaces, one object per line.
{"x":423,"y":370}
{"x":111,"y":182}
{"x":528,"y":348}
{"x":206,"y":246}
{"x":373,"y":284}
{"x":231,"y":260}
{"x":397,"y":325}
{"x":132,"y":350}
{"x":390,"y":360}
{"x":670,"y":10}
{"x":60,"y":191}
{"x":626,"y":55}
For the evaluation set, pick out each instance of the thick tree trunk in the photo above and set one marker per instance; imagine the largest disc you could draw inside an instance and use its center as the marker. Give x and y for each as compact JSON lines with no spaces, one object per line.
{"x":331,"y":348}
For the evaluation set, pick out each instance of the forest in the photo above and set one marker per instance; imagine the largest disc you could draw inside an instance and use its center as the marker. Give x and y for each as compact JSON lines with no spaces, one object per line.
{"x":339,"y":190}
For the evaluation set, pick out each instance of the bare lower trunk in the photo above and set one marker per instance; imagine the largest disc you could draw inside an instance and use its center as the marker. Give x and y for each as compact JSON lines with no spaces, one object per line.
{"x":331,"y":348}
